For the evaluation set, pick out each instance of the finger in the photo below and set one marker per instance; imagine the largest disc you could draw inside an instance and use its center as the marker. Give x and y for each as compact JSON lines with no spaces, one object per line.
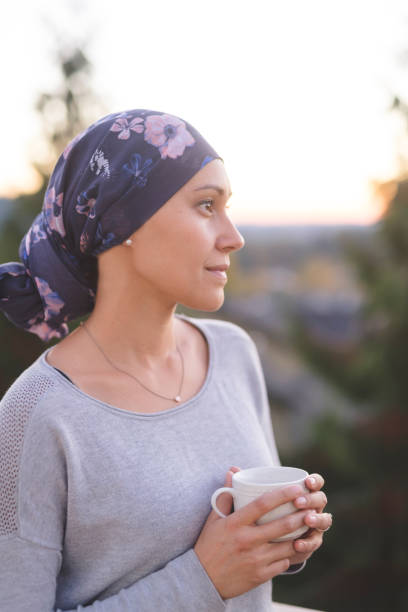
{"x":310,"y":544}
{"x":263,"y":504}
{"x":278,"y":528}
{"x":224,"y":501}
{"x":228,"y":479}
{"x":274,"y":569}
{"x":321,"y":521}
{"x":274,"y":551}
{"x":272,"y":561}
{"x":314,"y":482}
{"x":316,"y":500}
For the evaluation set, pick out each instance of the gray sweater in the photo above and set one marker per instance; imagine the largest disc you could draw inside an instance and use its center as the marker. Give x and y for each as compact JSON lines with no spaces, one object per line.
{"x":100,"y":507}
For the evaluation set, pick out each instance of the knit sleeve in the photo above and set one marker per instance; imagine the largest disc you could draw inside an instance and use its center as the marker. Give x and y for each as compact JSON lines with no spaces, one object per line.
{"x":33,"y":510}
{"x":181,"y":585}
{"x":32,"y":486}
{"x":29,"y":573}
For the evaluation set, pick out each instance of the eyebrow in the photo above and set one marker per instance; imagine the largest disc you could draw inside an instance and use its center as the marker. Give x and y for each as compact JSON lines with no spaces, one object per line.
{"x":220,"y":190}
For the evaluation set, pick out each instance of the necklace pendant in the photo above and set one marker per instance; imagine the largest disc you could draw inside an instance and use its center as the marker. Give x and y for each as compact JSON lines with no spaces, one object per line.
{"x":177,"y":398}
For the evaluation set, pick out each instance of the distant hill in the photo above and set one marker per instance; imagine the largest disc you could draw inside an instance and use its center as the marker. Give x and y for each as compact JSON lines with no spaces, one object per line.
{"x":287,"y":245}
{"x":302,"y":233}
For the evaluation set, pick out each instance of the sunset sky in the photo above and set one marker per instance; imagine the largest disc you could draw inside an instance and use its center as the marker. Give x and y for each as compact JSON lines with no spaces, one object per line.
{"x":294,"y":94}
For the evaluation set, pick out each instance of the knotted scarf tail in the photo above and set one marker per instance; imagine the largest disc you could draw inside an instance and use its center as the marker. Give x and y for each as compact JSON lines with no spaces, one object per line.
{"x":22,"y":304}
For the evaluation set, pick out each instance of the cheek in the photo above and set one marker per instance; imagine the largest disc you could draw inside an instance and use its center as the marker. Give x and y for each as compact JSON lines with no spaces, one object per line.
{"x":185,"y":237}
{"x":171,"y":254}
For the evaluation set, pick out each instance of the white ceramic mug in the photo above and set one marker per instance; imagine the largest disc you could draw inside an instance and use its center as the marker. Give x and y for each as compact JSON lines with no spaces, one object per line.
{"x":249,"y":484}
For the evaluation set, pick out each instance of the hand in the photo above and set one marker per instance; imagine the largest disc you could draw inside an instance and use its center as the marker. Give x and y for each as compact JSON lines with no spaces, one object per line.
{"x":318,"y":521}
{"x":237,"y":554}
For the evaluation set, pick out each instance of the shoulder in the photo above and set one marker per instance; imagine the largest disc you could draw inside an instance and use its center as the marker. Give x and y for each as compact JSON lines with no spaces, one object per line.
{"x":232,"y":343}
{"x":24,"y":397}
{"x":29,"y":447}
{"x":222,"y":330}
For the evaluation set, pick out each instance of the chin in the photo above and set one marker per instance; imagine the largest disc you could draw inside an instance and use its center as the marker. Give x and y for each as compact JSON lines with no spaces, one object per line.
{"x":206,"y":304}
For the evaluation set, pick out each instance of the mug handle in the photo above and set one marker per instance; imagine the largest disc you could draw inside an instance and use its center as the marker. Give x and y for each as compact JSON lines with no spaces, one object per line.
{"x":214,"y":498}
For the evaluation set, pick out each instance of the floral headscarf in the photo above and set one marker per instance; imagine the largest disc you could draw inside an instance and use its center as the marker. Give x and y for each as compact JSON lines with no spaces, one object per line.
{"x":109,"y":180}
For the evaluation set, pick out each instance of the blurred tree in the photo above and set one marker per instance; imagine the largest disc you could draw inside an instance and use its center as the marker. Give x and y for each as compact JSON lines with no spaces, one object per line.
{"x":68,"y":109}
{"x":364,"y":565}
{"x":64,"y":112}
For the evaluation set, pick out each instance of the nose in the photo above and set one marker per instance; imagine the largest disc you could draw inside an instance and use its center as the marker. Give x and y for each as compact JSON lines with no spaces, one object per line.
{"x":229,"y":238}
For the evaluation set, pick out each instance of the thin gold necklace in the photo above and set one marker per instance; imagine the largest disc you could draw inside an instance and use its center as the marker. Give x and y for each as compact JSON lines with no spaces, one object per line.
{"x":177,"y":398}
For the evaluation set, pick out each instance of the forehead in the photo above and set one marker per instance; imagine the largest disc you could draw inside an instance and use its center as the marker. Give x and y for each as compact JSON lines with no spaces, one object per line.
{"x":214,"y":174}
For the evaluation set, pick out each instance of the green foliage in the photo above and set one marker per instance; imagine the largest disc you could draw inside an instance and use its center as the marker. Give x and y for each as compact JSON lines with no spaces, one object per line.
{"x":363,"y":564}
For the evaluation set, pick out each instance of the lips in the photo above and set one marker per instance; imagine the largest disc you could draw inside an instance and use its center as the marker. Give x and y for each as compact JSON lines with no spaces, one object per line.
{"x":219,"y":272}
{"x":220,"y":268}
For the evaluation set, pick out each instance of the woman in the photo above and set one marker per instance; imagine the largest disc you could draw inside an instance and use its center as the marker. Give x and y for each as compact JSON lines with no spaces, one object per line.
{"x":115,"y":438}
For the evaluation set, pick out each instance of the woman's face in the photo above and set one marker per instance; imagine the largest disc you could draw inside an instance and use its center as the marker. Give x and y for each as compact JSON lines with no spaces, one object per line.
{"x":182,"y":251}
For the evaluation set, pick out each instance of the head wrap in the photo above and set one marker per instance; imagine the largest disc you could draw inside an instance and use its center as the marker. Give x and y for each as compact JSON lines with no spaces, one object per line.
{"x":109,"y":180}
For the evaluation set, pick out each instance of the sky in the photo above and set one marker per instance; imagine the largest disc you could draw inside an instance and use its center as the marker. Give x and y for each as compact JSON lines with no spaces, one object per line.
{"x":293,"y":94}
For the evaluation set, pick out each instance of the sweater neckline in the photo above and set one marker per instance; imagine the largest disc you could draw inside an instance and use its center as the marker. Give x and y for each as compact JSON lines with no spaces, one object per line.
{"x":160,"y":413}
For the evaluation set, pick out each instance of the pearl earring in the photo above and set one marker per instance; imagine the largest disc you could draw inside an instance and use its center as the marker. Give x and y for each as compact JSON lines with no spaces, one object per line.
{"x":128,"y":241}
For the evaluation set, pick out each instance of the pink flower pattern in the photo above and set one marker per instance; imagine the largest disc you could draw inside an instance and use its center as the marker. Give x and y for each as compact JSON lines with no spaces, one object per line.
{"x":53,"y":303}
{"x":86,"y":207}
{"x":44,"y":331}
{"x":169,"y":134}
{"x":124,"y":128}
{"x":134,"y":144}
{"x":38,"y":233}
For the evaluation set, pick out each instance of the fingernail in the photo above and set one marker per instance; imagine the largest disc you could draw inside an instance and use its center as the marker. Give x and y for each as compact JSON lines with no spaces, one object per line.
{"x":301,"y":501}
{"x":312,"y":481}
{"x":300,"y":545}
{"x":312,"y":519}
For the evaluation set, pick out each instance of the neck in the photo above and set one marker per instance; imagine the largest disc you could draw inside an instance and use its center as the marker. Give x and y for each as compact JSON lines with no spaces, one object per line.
{"x":135,"y":330}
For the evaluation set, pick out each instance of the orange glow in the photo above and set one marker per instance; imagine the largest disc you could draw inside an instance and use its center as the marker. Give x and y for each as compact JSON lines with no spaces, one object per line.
{"x":383,"y":193}
{"x":30,"y":183}
{"x":299,"y":213}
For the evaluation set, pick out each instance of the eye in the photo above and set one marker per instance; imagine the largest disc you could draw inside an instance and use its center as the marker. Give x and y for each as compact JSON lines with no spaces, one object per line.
{"x":207,"y":205}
